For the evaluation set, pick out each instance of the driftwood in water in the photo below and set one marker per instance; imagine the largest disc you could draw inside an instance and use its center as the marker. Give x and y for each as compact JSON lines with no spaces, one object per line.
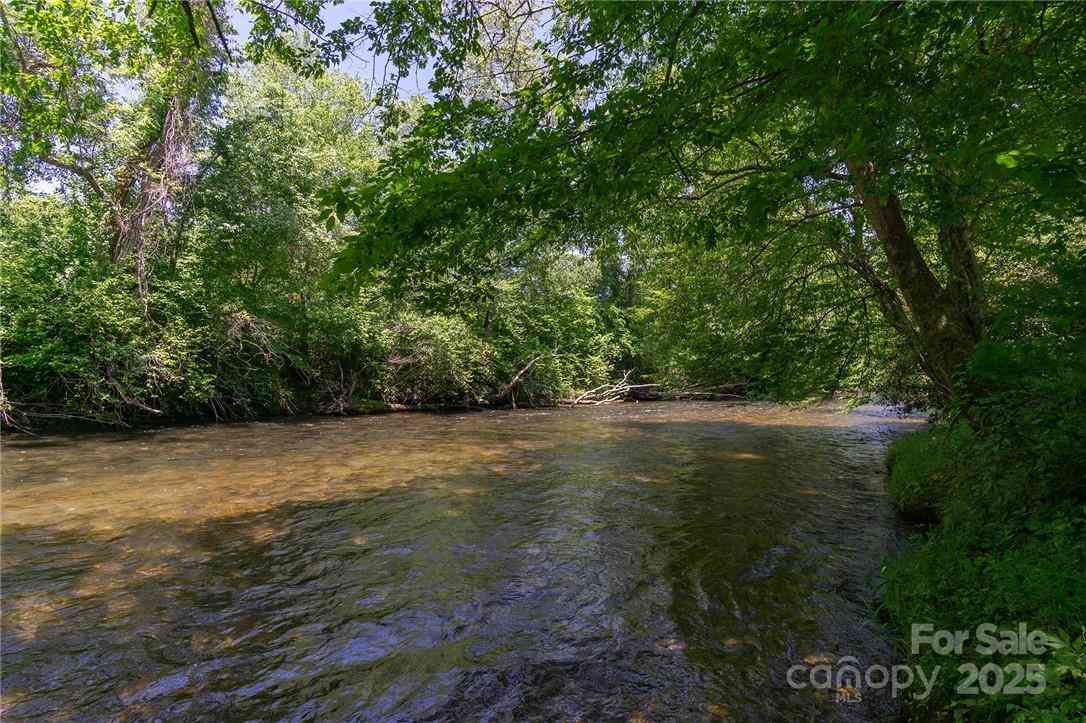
{"x":623,"y":390}
{"x":610,"y":392}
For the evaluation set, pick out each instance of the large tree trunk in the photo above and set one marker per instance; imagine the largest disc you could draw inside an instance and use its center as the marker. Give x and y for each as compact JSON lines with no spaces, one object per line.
{"x":948,"y":320}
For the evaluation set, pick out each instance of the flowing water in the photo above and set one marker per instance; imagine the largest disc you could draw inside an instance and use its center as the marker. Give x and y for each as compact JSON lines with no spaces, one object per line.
{"x":636,"y":562}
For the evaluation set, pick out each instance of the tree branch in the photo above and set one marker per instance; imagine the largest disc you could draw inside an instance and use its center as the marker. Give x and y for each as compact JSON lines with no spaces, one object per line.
{"x":218,"y":29}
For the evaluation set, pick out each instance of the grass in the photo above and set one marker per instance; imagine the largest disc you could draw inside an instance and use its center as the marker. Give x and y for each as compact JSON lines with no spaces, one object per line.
{"x":1005,"y":543}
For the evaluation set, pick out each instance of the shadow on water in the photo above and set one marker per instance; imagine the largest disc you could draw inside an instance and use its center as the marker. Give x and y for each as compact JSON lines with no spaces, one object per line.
{"x":633,"y":564}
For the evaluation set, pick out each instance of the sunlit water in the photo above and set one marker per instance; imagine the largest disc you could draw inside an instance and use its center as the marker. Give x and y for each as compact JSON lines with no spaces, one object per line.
{"x":642,"y":562}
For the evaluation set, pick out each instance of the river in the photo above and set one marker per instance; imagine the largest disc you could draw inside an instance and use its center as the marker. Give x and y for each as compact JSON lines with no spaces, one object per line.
{"x":635,"y":562}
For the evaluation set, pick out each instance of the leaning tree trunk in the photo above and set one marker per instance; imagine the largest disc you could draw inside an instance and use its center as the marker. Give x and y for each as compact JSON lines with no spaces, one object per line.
{"x":947,"y":320}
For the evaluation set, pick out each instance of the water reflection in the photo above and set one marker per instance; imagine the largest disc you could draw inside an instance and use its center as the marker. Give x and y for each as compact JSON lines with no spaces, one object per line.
{"x":639,"y":562}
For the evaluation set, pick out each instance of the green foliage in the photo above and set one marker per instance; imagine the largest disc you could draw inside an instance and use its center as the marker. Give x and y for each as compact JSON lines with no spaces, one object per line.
{"x":919,"y":465}
{"x":76,"y":340}
{"x":786,"y":322}
{"x":1033,"y":576}
{"x":72,"y":69}
{"x":239,"y":320}
{"x":1002,"y":473}
{"x":1011,"y":543}
{"x":837,"y":162}
{"x":436,"y":359}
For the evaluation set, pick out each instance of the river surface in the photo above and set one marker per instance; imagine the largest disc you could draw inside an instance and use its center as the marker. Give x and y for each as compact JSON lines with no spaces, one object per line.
{"x":637,"y":562}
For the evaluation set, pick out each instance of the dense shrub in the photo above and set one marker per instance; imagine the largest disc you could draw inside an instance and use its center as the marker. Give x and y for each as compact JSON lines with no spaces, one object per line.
{"x":237,"y":318}
{"x":79,"y":342}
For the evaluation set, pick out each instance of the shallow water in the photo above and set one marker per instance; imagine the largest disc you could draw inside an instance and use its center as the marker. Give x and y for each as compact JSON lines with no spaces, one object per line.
{"x":638,"y":562}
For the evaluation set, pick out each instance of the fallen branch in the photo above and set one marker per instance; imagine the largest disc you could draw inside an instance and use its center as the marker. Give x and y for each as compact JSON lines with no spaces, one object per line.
{"x":622,"y":390}
{"x":509,"y":387}
{"x":128,"y":400}
{"x":607,"y":393}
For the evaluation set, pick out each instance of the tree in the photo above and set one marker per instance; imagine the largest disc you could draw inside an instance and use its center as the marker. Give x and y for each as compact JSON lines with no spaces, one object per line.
{"x":108,"y":96}
{"x":909,"y":137}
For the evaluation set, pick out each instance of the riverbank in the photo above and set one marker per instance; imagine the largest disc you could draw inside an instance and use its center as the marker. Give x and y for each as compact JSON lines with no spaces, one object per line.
{"x":1004,"y":545}
{"x":61,"y":423}
{"x":74,"y":424}
{"x":68,"y":424}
